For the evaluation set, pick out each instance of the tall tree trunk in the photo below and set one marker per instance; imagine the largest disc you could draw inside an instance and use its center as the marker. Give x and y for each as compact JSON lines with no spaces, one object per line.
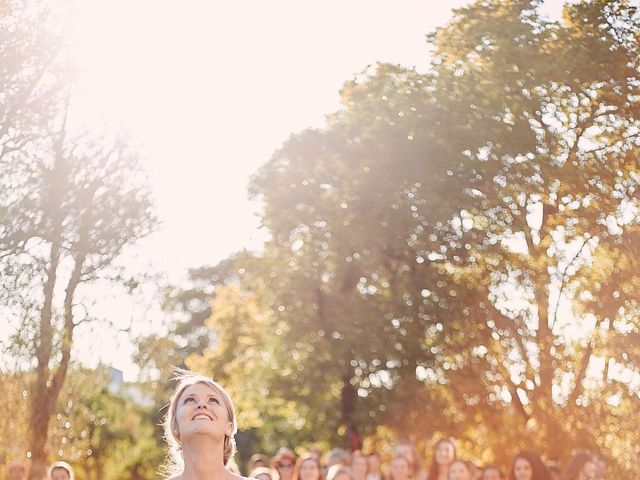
{"x":41,"y":405}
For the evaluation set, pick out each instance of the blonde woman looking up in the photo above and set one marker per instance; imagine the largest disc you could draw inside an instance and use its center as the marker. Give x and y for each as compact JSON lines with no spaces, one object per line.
{"x":199,"y":428}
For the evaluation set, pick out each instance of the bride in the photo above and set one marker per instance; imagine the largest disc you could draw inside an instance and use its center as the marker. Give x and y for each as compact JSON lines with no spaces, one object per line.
{"x":199,"y":428}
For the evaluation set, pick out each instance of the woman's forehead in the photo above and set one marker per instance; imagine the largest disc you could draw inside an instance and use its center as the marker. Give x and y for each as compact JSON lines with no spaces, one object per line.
{"x":200,"y":388}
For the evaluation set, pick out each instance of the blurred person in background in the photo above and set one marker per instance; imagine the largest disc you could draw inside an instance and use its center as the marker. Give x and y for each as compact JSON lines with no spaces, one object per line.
{"x":359,"y":466}
{"x":307,"y":467}
{"x":399,"y":468}
{"x":581,"y":467}
{"x":257,"y":460}
{"x":554,"y":470}
{"x":476,"y":472}
{"x":16,"y":471}
{"x":60,"y":471}
{"x":444,"y":454}
{"x":528,"y":466}
{"x":601,"y":468}
{"x":460,"y":470}
{"x":338,"y":456}
{"x":262,"y":473}
{"x":317,"y":454}
{"x":339,"y":472}
{"x":374,"y":467}
{"x":408,"y":450}
{"x":283,"y":463}
{"x":492,"y":472}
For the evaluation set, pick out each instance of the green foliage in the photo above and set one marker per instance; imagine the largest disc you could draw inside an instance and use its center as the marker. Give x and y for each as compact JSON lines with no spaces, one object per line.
{"x":458,"y":247}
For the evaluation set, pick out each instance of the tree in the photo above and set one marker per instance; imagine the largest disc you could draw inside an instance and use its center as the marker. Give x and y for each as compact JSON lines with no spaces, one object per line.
{"x":482,"y":219}
{"x":70,"y":202}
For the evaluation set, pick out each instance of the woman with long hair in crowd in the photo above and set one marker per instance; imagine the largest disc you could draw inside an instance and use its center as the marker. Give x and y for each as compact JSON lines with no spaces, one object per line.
{"x":307,"y":467}
{"x":399,"y":468}
{"x":460,"y":470}
{"x":374,"y":467}
{"x":60,"y":471}
{"x":408,"y":450}
{"x":528,"y":466}
{"x":444,"y":454}
{"x":199,"y":428}
{"x":581,"y":467}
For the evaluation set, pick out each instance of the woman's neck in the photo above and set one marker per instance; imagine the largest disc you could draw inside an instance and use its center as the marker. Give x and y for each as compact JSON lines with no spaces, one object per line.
{"x":443,"y":472}
{"x":203,"y":461}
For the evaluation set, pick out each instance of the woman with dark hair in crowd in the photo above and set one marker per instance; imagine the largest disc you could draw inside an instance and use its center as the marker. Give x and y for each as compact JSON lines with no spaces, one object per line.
{"x":444,"y":454}
{"x":460,"y":470}
{"x":528,"y":466}
{"x":581,"y":467}
{"x":307,"y":467}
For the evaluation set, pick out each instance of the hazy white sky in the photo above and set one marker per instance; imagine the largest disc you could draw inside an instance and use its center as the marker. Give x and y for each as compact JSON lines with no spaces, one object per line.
{"x":213,"y":88}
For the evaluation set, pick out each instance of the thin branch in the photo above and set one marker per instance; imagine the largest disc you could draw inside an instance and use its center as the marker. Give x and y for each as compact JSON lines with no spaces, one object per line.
{"x":563,"y":282}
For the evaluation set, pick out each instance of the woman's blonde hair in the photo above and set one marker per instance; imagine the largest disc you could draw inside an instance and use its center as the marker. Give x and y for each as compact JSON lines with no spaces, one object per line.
{"x":64,"y":466}
{"x":185,"y":378}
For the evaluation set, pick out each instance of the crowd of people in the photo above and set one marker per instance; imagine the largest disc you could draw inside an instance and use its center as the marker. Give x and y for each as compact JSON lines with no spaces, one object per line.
{"x":201,"y":424}
{"x":405,"y":464}
{"x":56,"y":471}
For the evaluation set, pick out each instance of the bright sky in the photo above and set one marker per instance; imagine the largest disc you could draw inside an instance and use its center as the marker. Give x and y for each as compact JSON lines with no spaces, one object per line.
{"x":213,"y":88}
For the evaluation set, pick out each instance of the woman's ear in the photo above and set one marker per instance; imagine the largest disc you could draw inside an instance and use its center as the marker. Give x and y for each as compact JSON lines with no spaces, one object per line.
{"x":229,"y":429}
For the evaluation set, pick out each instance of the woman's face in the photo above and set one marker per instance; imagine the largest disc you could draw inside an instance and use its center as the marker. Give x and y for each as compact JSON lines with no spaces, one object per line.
{"x":406,"y":451}
{"x":522,"y":469}
{"x":201,"y":411}
{"x":374,"y":463}
{"x":399,"y":469}
{"x":491,"y":474}
{"x":359,"y":467}
{"x":588,"y":471}
{"x":285,"y":468}
{"x":445,"y":453}
{"x":459,"y":471}
{"x":60,"y":474}
{"x":309,"y":470}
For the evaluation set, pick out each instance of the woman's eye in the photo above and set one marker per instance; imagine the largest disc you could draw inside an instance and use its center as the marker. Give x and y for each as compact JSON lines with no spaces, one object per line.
{"x":189,"y":399}
{"x":213,"y":399}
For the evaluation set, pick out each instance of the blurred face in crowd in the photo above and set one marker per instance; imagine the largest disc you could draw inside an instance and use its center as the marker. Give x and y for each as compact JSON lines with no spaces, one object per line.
{"x":60,"y":474}
{"x":406,"y":451}
{"x":399,"y":469}
{"x":343,"y":476}
{"x":309,"y":470}
{"x":589,"y":471}
{"x":16,"y":472}
{"x":359,"y":467}
{"x":285,"y":468}
{"x":459,"y":471}
{"x":374,"y":463}
{"x":491,"y":474}
{"x":445,"y":453}
{"x":522,"y":469}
